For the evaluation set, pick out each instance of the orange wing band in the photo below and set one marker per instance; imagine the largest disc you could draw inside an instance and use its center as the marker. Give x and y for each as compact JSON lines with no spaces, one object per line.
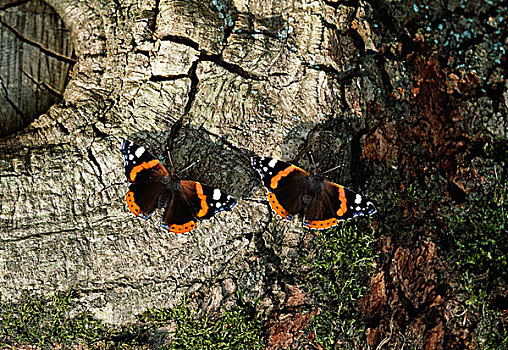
{"x":204,"y":206}
{"x":144,"y":165}
{"x":202,"y":197}
{"x":343,"y":201}
{"x":131,"y":204}
{"x":187,"y":227}
{"x":276,"y":178}
{"x":279,"y":210}
{"x":321,"y":224}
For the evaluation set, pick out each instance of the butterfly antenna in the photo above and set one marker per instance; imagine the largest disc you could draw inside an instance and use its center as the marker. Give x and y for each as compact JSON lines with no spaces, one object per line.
{"x":332,"y":169}
{"x":312,"y":161}
{"x":170,"y":161}
{"x":187,"y":167}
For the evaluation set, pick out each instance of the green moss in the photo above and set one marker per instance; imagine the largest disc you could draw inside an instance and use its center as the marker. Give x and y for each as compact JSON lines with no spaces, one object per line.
{"x":338,"y":277}
{"x":238,"y":328}
{"x":478,"y":239}
{"x":45,"y":321}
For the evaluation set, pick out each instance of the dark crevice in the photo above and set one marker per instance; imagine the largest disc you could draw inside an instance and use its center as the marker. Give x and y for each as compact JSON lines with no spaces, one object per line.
{"x":383,"y":15}
{"x":385,"y":77}
{"x":92,"y":158}
{"x":98,"y":132}
{"x":357,"y":166}
{"x":39,"y":235}
{"x":357,"y":40}
{"x":156,"y":11}
{"x":157,"y":78}
{"x":192,"y":75}
{"x":63,"y":128}
{"x":335,"y":4}
{"x":342,"y":77}
{"x":43,"y":86}
{"x":11,"y":102}
{"x":181,"y":40}
{"x":230,"y":67}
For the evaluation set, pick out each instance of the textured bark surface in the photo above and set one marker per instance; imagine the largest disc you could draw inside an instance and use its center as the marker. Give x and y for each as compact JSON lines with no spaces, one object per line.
{"x":35,"y":57}
{"x":364,"y":84}
{"x":239,"y":70}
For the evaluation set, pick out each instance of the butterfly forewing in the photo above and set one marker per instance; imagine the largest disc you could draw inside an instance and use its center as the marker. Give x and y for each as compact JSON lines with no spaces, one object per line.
{"x":140,"y":165}
{"x":286,"y":185}
{"x":217,"y":201}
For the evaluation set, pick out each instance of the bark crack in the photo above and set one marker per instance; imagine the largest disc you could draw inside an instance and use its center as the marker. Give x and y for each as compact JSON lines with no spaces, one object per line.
{"x":36,"y":44}
{"x":43,"y":85}
{"x":9,"y":101}
{"x":95,"y":162}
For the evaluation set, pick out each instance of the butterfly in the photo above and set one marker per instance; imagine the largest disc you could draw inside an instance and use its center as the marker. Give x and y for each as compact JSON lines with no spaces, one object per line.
{"x":292,"y":191}
{"x":186,"y":202}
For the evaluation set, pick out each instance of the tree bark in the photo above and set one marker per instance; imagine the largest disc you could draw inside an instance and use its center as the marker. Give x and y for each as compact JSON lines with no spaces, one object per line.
{"x":356,"y":83}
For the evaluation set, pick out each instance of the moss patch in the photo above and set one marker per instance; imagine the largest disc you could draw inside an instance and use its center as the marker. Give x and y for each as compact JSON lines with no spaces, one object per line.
{"x":238,"y":328}
{"x":46,"y":322}
{"x":478,"y":241}
{"x":338,"y":278}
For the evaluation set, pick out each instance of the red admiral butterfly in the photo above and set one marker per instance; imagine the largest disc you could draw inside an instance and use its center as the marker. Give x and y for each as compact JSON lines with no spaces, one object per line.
{"x":152,"y":186}
{"x":292,"y":190}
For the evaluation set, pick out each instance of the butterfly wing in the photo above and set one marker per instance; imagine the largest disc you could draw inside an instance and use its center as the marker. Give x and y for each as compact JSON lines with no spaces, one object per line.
{"x":145,"y":173}
{"x":142,"y":198}
{"x":333,"y":203}
{"x":286,"y":185}
{"x":193,"y":202}
{"x":140,"y":165}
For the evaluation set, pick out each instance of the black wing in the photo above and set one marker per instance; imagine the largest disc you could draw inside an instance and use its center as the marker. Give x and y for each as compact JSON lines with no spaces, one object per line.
{"x":334,"y":203}
{"x":140,"y":165}
{"x":286,"y":185}
{"x":193,"y":202}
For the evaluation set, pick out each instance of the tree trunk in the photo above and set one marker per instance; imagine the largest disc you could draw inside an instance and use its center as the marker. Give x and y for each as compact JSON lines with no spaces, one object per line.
{"x":356,"y":83}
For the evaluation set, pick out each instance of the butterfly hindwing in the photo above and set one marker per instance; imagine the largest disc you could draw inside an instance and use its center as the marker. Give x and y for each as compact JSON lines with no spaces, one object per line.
{"x":142,"y":198}
{"x":193,"y":202}
{"x":334,"y":203}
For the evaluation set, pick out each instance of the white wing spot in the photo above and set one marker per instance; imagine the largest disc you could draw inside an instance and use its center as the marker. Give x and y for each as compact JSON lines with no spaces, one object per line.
{"x":358,"y":199}
{"x":218,"y":204}
{"x":265,"y":169}
{"x":216,"y":194}
{"x":272,"y":163}
{"x":358,"y":208}
{"x":131,"y":156}
{"x":139,"y":152}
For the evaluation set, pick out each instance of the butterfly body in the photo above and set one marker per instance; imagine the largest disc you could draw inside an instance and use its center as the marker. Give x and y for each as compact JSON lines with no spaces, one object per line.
{"x":151,"y":186}
{"x":293,"y":191}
